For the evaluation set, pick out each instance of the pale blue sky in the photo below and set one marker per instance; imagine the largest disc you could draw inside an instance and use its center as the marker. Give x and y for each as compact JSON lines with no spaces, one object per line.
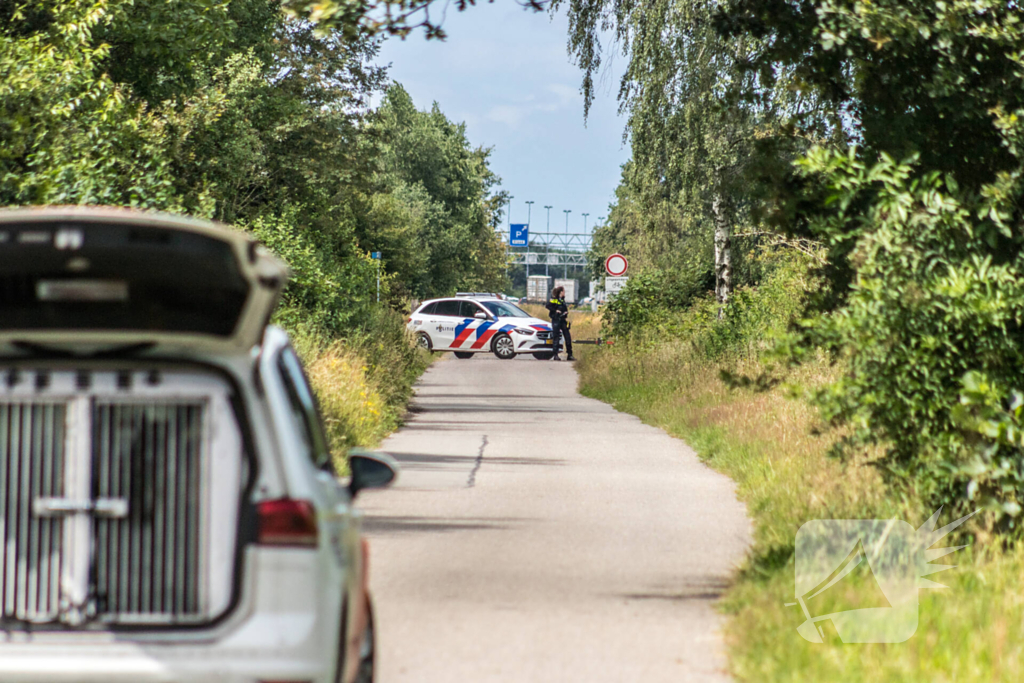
{"x":506,"y":73}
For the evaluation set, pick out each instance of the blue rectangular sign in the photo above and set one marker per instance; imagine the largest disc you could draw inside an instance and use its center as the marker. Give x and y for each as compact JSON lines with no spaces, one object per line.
{"x":375,"y":254}
{"x":519,"y":235}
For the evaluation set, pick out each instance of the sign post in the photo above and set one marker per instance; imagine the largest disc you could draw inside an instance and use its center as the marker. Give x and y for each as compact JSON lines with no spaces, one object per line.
{"x":375,"y":255}
{"x":616,"y":266}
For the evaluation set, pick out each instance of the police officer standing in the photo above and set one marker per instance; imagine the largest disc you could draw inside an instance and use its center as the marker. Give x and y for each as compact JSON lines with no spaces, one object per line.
{"x":559,"y":313}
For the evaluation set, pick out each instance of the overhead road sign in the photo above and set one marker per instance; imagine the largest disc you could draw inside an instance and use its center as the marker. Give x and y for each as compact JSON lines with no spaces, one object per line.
{"x":616,"y":265}
{"x":519,"y":235}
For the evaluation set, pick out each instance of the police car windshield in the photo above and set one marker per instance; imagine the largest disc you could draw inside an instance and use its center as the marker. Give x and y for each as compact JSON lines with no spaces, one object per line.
{"x":504,"y":309}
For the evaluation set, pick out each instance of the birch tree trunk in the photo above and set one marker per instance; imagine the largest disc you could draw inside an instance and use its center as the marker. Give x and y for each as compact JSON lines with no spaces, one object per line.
{"x":723,"y":253}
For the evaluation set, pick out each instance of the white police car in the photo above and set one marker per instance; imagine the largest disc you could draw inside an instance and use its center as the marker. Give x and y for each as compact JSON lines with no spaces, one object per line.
{"x":467,"y":326}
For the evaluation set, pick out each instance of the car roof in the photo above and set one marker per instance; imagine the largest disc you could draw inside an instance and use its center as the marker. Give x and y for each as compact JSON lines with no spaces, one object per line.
{"x":459,"y":298}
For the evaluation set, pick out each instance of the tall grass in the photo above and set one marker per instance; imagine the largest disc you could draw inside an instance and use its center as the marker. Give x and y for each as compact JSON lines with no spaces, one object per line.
{"x":362,"y":382}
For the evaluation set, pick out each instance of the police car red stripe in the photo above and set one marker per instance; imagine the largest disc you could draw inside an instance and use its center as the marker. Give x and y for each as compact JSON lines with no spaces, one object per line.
{"x":462,"y":332}
{"x":483,"y":335}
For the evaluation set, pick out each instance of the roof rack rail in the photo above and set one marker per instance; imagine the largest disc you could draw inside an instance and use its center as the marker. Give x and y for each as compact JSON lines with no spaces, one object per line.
{"x":479,"y":295}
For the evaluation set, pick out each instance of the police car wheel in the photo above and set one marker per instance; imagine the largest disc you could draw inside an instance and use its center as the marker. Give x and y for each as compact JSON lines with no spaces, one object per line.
{"x":503,"y":347}
{"x":543,"y":355}
{"x":463,"y":354}
{"x":423,"y":341}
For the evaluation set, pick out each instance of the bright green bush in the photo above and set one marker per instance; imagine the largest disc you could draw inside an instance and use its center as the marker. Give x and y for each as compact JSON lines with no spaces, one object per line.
{"x":649,"y":299}
{"x":656,"y":305}
{"x":327,"y":294}
{"x":68,"y":133}
{"x":935,"y":297}
{"x":992,"y":418}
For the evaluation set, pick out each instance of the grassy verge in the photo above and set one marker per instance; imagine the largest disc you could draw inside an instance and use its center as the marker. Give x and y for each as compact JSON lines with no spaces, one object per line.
{"x":774,"y":449}
{"x":364,"y":382}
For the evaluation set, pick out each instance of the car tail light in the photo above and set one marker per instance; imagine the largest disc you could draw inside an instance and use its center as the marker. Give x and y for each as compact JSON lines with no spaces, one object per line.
{"x":286,"y":522}
{"x":408,"y":320}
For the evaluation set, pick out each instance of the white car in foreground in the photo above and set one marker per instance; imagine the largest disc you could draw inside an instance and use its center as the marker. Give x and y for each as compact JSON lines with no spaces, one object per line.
{"x":168,"y":508}
{"x":468,"y":326}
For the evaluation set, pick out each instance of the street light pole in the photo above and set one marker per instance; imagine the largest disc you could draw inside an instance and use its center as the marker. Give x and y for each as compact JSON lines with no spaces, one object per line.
{"x":508,"y":244}
{"x":565,"y":268}
{"x":529,"y":207}
{"x":547,"y":240}
{"x":584,"y":235}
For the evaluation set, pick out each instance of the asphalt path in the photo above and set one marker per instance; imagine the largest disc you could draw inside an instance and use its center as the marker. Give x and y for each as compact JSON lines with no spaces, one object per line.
{"x":535,"y":535}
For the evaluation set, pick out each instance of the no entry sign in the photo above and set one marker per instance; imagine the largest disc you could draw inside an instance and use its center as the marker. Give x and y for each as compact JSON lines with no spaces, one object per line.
{"x":616,"y":264}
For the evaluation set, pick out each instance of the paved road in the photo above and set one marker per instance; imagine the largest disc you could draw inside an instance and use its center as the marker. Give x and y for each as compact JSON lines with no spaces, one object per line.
{"x":539,"y":536}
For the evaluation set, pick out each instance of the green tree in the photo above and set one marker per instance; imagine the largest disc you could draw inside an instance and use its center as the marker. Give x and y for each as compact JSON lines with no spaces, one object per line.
{"x":937,"y":80}
{"x":68,"y":133}
{"x":699,"y":123}
{"x":163,"y":49}
{"x":444,"y":240}
{"x":909,"y":118}
{"x":921,"y":218}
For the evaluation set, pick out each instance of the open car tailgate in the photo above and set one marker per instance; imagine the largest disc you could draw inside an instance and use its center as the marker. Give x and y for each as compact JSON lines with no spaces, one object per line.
{"x":74,"y":278}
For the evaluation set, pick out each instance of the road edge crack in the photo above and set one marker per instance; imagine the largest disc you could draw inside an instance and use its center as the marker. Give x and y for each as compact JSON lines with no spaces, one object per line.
{"x":471,"y":481}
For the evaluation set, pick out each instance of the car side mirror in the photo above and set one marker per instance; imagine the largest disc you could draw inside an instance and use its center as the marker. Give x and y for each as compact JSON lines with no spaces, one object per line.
{"x":370,"y":470}
{"x":480,"y":315}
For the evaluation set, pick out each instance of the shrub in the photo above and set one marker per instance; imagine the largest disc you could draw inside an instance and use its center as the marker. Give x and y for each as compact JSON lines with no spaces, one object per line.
{"x":657,"y":306}
{"x":938,"y":293}
{"x":992,"y":418}
{"x":363,"y":382}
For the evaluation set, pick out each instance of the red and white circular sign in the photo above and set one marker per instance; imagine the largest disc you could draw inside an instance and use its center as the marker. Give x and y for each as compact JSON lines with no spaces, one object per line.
{"x":616,"y":264}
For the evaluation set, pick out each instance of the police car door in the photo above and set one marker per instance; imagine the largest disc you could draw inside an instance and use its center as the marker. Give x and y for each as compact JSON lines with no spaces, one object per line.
{"x":447,"y":315}
{"x":473,"y":332}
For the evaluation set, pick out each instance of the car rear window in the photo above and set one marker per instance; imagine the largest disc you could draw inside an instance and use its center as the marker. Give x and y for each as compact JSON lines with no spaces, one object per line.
{"x":91,"y":276}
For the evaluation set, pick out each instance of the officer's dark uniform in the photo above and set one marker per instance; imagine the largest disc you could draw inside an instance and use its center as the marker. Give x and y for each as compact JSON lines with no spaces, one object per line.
{"x":559,"y":313}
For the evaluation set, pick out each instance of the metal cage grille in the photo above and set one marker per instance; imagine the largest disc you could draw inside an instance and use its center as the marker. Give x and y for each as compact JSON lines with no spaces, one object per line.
{"x":103,"y":520}
{"x":147,"y":563}
{"x":32,"y":457}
